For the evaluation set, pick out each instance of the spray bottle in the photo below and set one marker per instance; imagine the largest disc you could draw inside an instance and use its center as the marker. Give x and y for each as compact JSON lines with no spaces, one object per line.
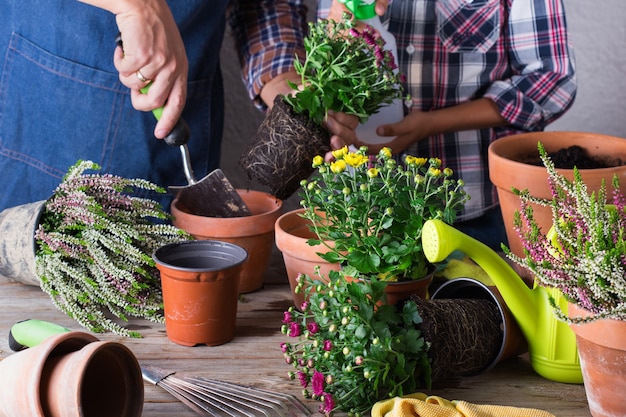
{"x":364,"y":11}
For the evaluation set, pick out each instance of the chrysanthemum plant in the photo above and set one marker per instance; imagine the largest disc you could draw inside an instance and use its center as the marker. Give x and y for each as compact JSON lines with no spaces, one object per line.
{"x":370,"y":211}
{"x":351,"y":349}
{"x":345,"y":70}
{"x":94,"y":249}
{"x":584,"y":253}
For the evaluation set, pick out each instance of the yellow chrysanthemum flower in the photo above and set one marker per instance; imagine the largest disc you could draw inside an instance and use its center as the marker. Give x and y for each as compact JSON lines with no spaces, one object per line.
{"x":340,"y":153}
{"x":385,"y":152}
{"x":338,"y":166}
{"x":435,"y":172}
{"x":355,"y":160}
{"x":317,"y":161}
{"x":372,"y":172}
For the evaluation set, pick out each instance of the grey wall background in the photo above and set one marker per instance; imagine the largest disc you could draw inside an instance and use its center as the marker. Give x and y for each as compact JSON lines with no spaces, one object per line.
{"x":597,"y":31}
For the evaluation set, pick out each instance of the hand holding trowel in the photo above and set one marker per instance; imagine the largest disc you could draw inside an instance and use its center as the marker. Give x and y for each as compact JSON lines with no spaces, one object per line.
{"x":213,"y":195}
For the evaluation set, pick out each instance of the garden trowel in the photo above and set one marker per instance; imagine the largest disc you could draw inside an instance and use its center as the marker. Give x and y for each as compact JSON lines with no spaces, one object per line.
{"x":213,"y":195}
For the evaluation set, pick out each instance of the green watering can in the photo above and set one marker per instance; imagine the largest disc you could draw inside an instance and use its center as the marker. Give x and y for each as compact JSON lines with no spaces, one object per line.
{"x":551,"y":343}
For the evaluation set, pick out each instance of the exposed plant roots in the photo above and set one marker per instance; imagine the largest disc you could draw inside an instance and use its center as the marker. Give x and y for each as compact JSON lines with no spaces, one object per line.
{"x":281,"y":152}
{"x":465,"y":335}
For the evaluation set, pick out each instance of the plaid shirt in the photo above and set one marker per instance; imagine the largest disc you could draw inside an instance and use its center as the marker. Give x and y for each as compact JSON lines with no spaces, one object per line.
{"x":268,"y":35}
{"x":514,"y":52}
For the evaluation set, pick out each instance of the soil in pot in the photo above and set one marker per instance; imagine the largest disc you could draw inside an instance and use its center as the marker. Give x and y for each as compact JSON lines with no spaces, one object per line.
{"x":465,"y":335}
{"x":281,"y":152}
{"x":575,"y":156}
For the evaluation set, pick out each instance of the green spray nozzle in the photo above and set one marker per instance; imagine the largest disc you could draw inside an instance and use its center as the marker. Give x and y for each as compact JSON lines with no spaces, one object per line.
{"x":362,"y":9}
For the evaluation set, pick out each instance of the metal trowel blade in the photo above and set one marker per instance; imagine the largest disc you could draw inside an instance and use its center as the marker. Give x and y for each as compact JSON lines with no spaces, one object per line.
{"x":212,"y":196}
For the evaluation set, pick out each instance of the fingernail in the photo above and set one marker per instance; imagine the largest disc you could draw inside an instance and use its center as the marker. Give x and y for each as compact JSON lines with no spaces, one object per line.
{"x":160,"y":133}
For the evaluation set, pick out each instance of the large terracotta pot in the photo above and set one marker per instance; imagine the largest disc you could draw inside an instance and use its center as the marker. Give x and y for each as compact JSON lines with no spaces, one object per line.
{"x":200,"y":281}
{"x":506,"y":170}
{"x":292,"y":233}
{"x":254,"y":233}
{"x":71,"y":374}
{"x":602,"y":351}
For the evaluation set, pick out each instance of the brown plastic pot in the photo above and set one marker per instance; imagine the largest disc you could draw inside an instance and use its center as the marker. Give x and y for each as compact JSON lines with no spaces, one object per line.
{"x":254,"y":233}
{"x":602,"y":350}
{"x":200,"y":281}
{"x":507,"y":170}
{"x":292,"y":233}
{"x":71,"y":374}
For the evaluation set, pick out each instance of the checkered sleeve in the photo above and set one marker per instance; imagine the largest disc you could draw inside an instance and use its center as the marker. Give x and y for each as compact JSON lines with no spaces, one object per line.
{"x":268,"y":36}
{"x":543,"y":83}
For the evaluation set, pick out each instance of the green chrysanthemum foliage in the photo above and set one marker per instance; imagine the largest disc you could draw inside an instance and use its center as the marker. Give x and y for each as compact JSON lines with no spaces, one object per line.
{"x":94,"y":249}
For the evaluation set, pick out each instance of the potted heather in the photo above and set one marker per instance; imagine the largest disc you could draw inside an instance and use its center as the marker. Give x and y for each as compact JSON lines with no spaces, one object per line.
{"x":582,"y":255}
{"x":368,"y":212}
{"x":345,"y":70}
{"x":92,"y":248}
{"x":348,"y":349}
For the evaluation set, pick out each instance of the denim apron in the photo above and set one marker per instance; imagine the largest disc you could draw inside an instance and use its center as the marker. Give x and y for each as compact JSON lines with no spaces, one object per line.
{"x":61,"y":99}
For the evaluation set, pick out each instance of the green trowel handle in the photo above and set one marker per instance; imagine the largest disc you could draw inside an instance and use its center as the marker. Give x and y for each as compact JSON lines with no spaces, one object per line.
{"x":181,"y":133}
{"x":31,"y":332}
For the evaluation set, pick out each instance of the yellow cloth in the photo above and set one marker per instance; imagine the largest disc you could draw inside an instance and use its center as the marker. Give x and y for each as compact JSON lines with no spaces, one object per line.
{"x":421,"y":405}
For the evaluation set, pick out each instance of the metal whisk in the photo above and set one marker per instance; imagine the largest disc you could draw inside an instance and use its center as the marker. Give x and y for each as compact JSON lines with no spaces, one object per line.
{"x":209,"y":397}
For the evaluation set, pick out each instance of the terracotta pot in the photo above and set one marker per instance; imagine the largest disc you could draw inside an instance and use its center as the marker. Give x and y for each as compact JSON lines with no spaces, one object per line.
{"x":282,"y":150}
{"x":17,"y":243}
{"x":506,"y":171}
{"x":401,"y":290}
{"x":71,"y":374}
{"x":200,"y":281}
{"x":254,"y":233}
{"x":513,"y":340}
{"x":292,"y":233}
{"x":602,"y":351}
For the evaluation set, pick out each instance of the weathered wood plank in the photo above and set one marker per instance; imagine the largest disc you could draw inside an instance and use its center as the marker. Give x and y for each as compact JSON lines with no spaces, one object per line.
{"x":254,"y":358}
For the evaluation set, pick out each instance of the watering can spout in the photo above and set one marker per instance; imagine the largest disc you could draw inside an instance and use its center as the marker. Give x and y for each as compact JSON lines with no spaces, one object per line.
{"x":439,"y":240}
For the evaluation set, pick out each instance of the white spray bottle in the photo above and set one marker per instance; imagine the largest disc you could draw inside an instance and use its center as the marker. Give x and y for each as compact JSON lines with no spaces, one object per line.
{"x":364,"y":11}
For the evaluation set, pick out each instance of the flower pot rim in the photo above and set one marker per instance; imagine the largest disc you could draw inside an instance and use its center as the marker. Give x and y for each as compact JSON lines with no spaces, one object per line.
{"x":237,"y":251}
{"x":278,"y":203}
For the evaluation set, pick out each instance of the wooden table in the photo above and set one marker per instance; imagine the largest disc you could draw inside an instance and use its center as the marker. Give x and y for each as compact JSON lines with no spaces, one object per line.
{"x":254,"y":357}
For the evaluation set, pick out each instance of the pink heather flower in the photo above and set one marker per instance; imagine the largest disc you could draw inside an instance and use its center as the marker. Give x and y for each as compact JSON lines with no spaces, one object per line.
{"x":287,"y":317}
{"x":313,"y":327}
{"x":328,"y":345}
{"x":294,"y":330}
{"x":317,"y":383}
{"x":304,"y":381}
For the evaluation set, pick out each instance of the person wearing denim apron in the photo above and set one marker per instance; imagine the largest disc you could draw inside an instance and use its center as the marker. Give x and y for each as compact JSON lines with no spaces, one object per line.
{"x":61,"y":98}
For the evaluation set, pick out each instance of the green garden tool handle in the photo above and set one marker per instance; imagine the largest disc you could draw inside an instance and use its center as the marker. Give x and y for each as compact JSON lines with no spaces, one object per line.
{"x":181,"y":133}
{"x":31,"y":332}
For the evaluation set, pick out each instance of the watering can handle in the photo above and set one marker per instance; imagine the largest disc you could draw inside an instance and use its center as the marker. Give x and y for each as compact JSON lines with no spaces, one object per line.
{"x":31,"y":332}
{"x":181,"y":133}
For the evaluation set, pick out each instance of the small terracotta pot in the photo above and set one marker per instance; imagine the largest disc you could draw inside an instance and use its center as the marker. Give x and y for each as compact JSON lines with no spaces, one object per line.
{"x":17,"y":242}
{"x":71,"y":374}
{"x":513,"y":340}
{"x":506,"y":170}
{"x":292,"y":233}
{"x":200,"y":281}
{"x":602,"y":351}
{"x":401,"y":290}
{"x":254,"y":233}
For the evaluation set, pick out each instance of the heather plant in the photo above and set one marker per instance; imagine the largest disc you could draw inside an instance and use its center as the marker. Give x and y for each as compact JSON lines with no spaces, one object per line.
{"x":344,"y":70}
{"x":584,"y":254}
{"x":370,"y":210}
{"x":349,"y":349}
{"x":94,"y":249}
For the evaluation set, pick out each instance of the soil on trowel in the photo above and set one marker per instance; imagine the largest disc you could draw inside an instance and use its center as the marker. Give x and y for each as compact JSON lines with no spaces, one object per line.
{"x":576,"y":156}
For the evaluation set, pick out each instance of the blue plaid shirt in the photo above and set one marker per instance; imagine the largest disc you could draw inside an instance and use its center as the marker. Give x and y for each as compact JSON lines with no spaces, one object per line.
{"x":514,"y":52}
